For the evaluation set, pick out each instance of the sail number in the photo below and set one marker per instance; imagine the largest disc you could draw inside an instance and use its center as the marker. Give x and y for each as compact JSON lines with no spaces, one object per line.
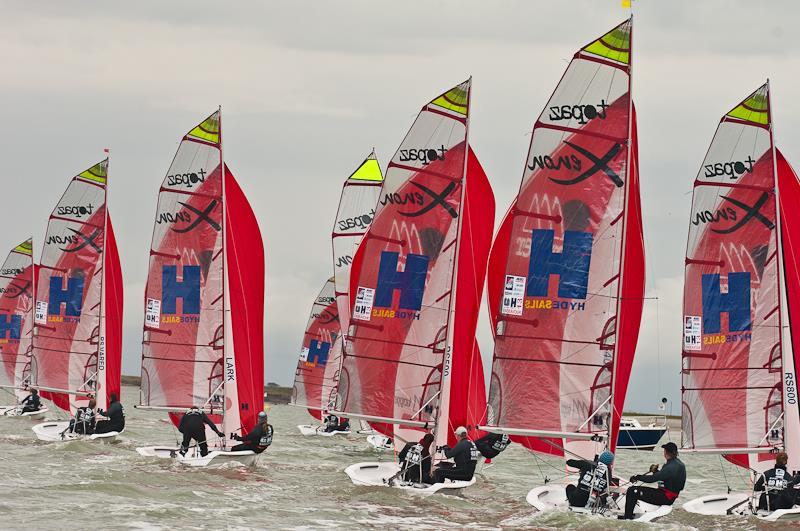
{"x":790,"y":388}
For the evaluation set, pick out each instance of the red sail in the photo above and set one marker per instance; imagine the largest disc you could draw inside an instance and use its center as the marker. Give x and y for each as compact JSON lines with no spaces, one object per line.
{"x":468,"y":390}
{"x":16,"y":319}
{"x":245,"y":271}
{"x":113,"y":318}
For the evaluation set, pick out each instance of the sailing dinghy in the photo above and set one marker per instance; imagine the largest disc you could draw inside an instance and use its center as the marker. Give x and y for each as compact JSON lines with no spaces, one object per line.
{"x":16,"y":328}
{"x":327,"y":325}
{"x":77,"y":341}
{"x":318,"y":366}
{"x":566,"y":272}
{"x":411,"y":364}
{"x":203,"y":341}
{"x":742,"y":279}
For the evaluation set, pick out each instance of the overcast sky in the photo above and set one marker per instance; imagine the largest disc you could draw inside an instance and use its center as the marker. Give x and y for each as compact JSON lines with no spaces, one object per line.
{"x":308,"y":88}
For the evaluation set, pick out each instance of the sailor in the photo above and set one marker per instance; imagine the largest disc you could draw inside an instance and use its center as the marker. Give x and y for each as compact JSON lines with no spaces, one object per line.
{"x":115,"y":414}
{"x":259,"y":438}
{"x":192,"y":426}
{"x":32,"y":402}
{"x":465,"y":455}
{"x":415,"y":460}
{"x":593,"y":482}
{"x":84,"y":420}
{"x":491,"y":444}
{"x":778,"y":486}
{"x":344,"y":424}
{"x":331,"y":423}
{"x":671,"y":480}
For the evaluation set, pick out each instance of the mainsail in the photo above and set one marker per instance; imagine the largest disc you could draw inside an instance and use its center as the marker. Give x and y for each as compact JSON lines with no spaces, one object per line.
{"x":77,"y":344}
{"x":566,"y":273}
{"x":739,"y":380}
{"x":16,"y":318}
{"x":317,"y":368}
{"x":204,"y":306}
{"x":410,"y":363}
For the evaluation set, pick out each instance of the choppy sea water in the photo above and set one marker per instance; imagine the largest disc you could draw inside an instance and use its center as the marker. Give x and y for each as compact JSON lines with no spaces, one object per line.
{"x":299,"y":483}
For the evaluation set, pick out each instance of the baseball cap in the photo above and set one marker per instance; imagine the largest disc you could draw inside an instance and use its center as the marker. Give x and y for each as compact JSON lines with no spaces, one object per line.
{"x":671,"y":447}
{"x":461,"y":430}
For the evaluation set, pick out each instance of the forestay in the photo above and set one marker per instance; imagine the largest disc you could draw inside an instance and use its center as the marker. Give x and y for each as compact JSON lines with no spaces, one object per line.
{"x":566,"y":273}
{"x":77,"y":345}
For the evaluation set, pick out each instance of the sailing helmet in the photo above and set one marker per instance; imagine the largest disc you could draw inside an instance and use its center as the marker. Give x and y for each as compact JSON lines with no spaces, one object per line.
{"x":606,"y":458}
{"x":262,"y":416}
{"x":461,"y":430}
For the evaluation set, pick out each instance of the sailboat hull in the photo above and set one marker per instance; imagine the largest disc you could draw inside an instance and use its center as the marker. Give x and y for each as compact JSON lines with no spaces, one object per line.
{"x":736,"y":503}
{"x":380,"y":442}
{"x":16,"y":411}
{"x":194,"y":459}
{"x":379,"y":475}
{"x":553,"y":496}
{"x":51,"y":432}
{"x":309,"y":430}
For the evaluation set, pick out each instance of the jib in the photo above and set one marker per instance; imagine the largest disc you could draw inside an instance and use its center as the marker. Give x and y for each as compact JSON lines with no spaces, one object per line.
{"x":424,"y":155}
{"x":187,"y":179}
{"x":581,"y":113}
{"x":732,"y":169}
{"x":76,"y":210}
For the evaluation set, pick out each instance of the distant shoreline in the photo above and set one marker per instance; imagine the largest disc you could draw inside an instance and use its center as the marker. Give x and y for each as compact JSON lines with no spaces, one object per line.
{"x":273,"y":393}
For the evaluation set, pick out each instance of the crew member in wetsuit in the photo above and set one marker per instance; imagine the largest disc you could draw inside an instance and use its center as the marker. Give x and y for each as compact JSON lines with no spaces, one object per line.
{"x":465,"y":456}
{"x":415,"y":460}
{"x":491,"y":444}
{"x":32,"y":402}
{"x":344,"y":424}
{"x":331,"y":423}
{"x":259,"y":438}
{"x":778,"y":486}
{"x":84,"y":420}
{"x":671,"y":480}
{"x":192,"y":426}
{"x":595,"y":478}
{"x":115,"y":414}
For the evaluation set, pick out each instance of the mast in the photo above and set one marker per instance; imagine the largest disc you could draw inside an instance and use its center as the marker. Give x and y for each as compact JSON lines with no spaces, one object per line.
{"x":100,"y":378}
{"x":610,"y":442}
{"x":442,"y":428}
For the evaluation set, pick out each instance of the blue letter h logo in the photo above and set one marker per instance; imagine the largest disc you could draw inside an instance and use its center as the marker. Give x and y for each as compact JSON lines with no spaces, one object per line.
{"x":736,"y":303}
{"x":10,"y":326}
{"x":72,"y":297}
{"x":318,"y":352}
{"x":571,"y":265}
{"x":410,"y":282}
{"x":188,"y":289}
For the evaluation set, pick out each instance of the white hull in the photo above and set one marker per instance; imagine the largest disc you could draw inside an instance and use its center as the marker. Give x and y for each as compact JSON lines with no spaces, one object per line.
{"x":378,"y":475}
{"x":309,"y":430}
{"x":736,"y":503}
{"x":16,"y":411}
{"x":194,"y":459}
{"x":51,"y":432}
{"x":553,"y":496}
{"x":380,"y":442}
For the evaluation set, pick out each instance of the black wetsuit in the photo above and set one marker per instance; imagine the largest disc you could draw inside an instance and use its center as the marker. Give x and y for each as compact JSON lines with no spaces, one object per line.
{"x":671,"y":479}
{"x":331,"y":423}
{"x":491,"y":444}
{"x":593,"y":477}
{"x":192,"y":426}
{"x":257,"y":440}
{"x":116,"y":419}
{"x":31,"y":402}
{"x":83,"y":422}
{"x":780,"y":492}
{"x":415,"y":460}
{"x":344,"y":425}
{"x":465,"y":456}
